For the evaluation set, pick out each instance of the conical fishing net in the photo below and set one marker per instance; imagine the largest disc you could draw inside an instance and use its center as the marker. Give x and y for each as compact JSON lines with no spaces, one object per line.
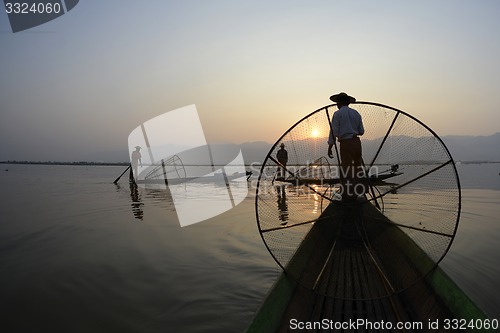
{"x":386,"y":240}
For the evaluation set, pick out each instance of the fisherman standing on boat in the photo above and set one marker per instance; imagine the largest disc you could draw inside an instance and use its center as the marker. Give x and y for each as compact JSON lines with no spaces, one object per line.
{"x":136,"y":160}
{"x":346,"y":127}
{"x":282,"y":157}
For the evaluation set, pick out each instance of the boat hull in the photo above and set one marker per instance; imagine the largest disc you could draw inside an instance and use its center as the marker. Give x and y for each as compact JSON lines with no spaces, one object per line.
{"x":350,"y":267}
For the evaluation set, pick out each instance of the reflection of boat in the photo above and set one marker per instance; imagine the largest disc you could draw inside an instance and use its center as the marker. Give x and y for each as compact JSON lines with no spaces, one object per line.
{"x":334,"y":277}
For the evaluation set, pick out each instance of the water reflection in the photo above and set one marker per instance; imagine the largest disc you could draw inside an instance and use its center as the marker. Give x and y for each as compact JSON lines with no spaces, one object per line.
{"x":141,"y":197}
{"x":136,"y":202}
{"x":282,"y":204}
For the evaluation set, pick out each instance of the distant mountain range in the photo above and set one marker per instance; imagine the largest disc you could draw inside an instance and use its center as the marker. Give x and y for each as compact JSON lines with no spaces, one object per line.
{"x":474,"y":148}
{"x":462,"y":148}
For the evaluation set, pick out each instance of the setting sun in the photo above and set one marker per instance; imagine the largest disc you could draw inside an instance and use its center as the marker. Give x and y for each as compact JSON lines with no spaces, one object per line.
{"x":314,"y":133}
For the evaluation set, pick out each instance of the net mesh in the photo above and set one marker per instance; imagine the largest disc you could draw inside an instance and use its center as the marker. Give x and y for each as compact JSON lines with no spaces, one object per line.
{"x":401,"y":230}
{"x":171,"y":168}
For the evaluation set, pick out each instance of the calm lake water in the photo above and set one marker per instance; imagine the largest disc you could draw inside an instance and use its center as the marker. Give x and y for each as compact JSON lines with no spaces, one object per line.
{"x":80,"y":254}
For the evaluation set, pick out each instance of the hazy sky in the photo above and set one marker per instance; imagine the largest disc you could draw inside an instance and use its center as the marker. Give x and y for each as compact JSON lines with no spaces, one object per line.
{"x":81,"y":83}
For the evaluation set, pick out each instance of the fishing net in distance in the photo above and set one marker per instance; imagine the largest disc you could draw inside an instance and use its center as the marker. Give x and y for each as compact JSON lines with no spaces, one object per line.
{"x":372,"y":247}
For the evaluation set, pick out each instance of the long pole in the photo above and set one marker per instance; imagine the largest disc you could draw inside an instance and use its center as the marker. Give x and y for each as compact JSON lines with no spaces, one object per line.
{"x":120,"y":176}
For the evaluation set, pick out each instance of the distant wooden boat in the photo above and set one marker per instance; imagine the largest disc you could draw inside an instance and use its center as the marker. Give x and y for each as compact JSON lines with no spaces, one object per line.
{"x":213,"y":178}
{"x":376,"y":179}
{"x":336,"y":276}
{"x":172,"y":171}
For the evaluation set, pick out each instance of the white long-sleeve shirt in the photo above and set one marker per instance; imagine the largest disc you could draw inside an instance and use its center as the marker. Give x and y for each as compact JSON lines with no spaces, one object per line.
{"x":346,"y":124}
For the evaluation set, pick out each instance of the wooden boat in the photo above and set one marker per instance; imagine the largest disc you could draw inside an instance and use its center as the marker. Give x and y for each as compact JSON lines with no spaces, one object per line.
{"x":218,"y":177}
{"x":345,"y":276}
{"x":378,"y":179}
{"x":359,"y":266}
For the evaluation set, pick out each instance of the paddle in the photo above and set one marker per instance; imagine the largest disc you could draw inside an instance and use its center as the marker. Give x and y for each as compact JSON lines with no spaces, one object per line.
{"x":120,"y":176}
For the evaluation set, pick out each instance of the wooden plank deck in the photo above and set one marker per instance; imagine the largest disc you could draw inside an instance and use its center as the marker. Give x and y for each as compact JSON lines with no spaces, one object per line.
{"x":353,"y":283}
